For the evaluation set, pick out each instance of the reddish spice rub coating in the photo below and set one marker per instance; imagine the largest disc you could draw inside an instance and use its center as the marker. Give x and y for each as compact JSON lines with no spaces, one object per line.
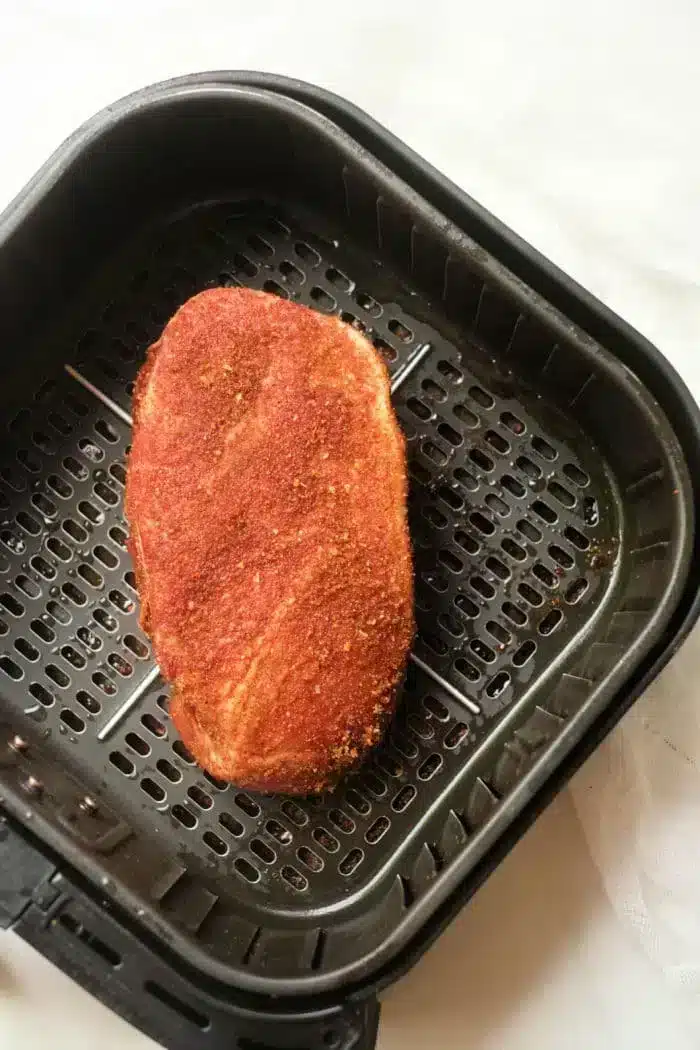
{"x":266,"y":495}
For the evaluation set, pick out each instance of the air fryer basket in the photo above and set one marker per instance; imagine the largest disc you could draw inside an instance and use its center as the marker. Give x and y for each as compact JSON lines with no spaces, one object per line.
{"x":550,"y":508}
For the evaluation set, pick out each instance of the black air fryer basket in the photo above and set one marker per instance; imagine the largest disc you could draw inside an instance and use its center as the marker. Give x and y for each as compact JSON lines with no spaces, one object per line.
{"x":552,"y":453}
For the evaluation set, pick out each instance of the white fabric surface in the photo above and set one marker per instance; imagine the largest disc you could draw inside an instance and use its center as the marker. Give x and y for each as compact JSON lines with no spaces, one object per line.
{"x":576,"y":123}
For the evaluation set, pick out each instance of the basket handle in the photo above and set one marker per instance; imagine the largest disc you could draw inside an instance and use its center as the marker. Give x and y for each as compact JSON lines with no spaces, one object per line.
{"x":90,"y":943}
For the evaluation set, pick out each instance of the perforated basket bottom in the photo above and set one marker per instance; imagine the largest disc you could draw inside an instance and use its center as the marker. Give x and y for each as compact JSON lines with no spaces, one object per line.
{"x":514,"y":525}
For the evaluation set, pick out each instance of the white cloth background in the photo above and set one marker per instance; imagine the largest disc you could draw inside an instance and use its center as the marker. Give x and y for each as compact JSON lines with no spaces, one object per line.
{"x":577,"y":124}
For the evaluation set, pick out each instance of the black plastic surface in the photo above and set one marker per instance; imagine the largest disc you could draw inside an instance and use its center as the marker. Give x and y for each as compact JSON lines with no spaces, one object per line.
{"x":439,"y":288}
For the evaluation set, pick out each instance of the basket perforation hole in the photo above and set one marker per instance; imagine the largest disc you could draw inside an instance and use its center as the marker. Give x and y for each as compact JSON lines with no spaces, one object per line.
{"x":549,"y":623}
{"x":92,"y":513}
{"x":11,"y":605}
{"x":13,"y":543}
{"x":435,"y":517}
{"x":42,"y":694}
{"x":430,"y":766}
{"x":231,"y":824}
{"x":75,"y":469}
{"x":543,"y":448}
{"x":104,"y":683}
{"x":107,"y":368}
{"x":30,"y":464}
{"x":577,"y":476}
{"x":273,"y":288}
{"x":184,"y":816}
{"x":323,"y":299}
{"x":497,"y":505}
{"x":467,"y":606}
{"x":434,"y":453}
{"x":497,"y":631}
{"x":497,"y":567}
{"x":338,"y":278}
{"x":561,"y":494}
{"x":130,"y":580}
{"x":531,"y":471}
{"x":498,"y":684}
{"x":247,"y":804}
{"x":436,"y":392}
{"x":350,"y":862}
{"x":106,"y":431}
{"x":13,"y":479}
{"x":215,"y":844}
{"x":387,"y":352}
{"x":367,"y":303}
{"x":220,"y":785}
{"x":529,"y":531}
{"x":403,"y":798}
{"x":482,"y":587}
{"x":75,"y":531}
{"x":291,"y":273}
{"x":455,"y":736}
{"x":545,"y":575}
{"x":105,"y":493}
{"x":105,"y":620}
{"x":118,"y":472}
{"x":450,"y":561}
{"x":278,"y":832}
{"x":436,"y":644}
{"x":182,"y":752}
{"x":497,"y":442}
{"x":482,"y":650}
{"x":106,"y":557}
{"x":200,"y":797}
{"x":74,"y":593}
{"x":169,"y":771}
{"x":59,"y":613}
{"x":294,"y":878}
{"x":153,"y":789}
{"x":29,"y":523}
{"x":449,"y":371}
{"x":122,"y":763}
{"x":310,"y":859}
{"x":30,"y":588}
{"x":400,"y":330}
{"x":449,"y":624}
{"x":481,"y":396}
{"x":544,"y":511}
{"x":153,"y":725}
{"x":44,"y":505}
{"x":513,"y":423}
{"x":43,"y":631}
{"x":464,"y":478}
{"x":11,"y":668}
{"x":91,"y":450}
{"x":560,"y":556}
{"x":418,"y":408}
{"x":450,"y":434}
{"x":482,"y":461}
{"x":244,"y":265}
{"x":75,"y":405}
{"x":467,"y":542}
{"x":137,"y":744}
{"x":514,"y":614}
{"x":576,"y":590}
{"x":579,"y":541}
{"x":482,"y":523}
{"x":121,"y":602}
{"x":513,"y":486}
{"x":71,"y":655}
{"x":59,"y":486}
{"x":467,"y":669}
{"x":524,"y":652}
{"x":260,"y":245}
{"x":136,"y":647}
{"x":57,"y":675}
{"x":357,"y":802}
{"x":88,"y":702}
{"x":379,"y":828}
{"x":91,"y":576}
{"x":119,"y":537}
{"x":342,"y":821}
{"x":347,"y":318}
{"x":531,"y":596}
{"x":466,"y":416}
{"x":325,"y":840}
{"x":404,"y":745}
{"x":43,"y":442}
{"x":373,"y":784}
